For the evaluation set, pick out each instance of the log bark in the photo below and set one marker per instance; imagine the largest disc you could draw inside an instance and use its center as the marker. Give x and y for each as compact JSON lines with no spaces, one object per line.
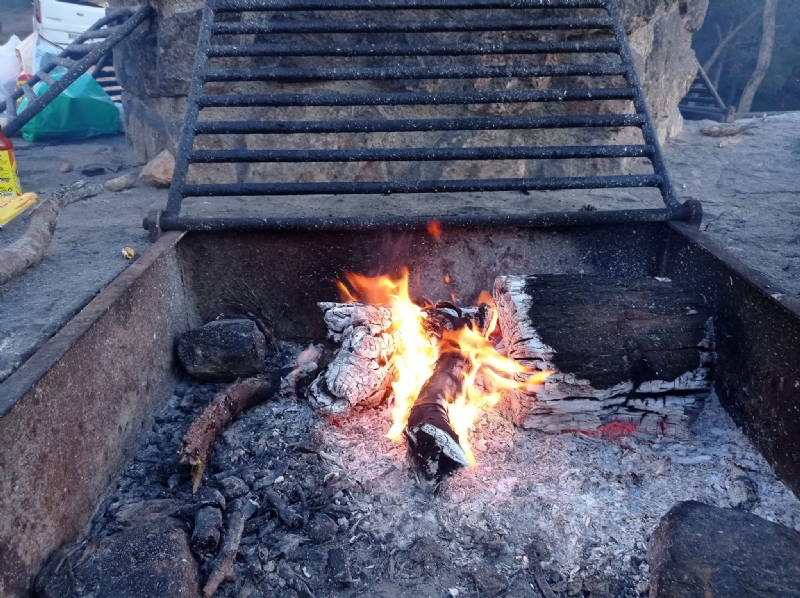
{"x":636,"y":352}
{"x":225,"y":405}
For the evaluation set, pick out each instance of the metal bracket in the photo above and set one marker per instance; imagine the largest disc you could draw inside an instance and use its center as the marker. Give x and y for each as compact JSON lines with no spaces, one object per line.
{"x":152,"y":224}
{"x":695,"y":212}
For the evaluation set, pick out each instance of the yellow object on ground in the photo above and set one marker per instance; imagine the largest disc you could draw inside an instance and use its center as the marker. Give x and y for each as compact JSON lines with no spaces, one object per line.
{"x":128,"y":253}
{"x":11,"y":207}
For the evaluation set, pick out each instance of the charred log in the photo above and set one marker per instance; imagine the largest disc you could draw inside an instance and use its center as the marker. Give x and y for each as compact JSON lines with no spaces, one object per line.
{"x":222,"y":569}
{"x":225,"y":405}
{"x":433,"y":445}
{"x":361,"y":372}
{"x":637,"y":352}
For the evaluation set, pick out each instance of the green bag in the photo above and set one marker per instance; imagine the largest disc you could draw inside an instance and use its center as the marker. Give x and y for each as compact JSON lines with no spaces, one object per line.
{"x":83,"y":110}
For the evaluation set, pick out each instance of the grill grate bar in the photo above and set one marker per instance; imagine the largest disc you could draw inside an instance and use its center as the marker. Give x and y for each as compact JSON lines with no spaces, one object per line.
{"x":418,"y":154}
{"x":372,"y":5}
{"x":301,"y":75}
{"x":414,"y":99}
{"x":443,"y":186}
{"x":432,"y":26}
{"x":466,"y":49}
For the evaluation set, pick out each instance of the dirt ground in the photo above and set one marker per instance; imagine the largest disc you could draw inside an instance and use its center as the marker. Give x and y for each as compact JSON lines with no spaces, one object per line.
{"x":15,"y":19}
{"x":749,"y":188}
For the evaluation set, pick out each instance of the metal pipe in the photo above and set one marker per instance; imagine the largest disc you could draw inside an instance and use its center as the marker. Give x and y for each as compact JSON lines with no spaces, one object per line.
{"x":421,"y":154}
{"x":432,"y":26}
{"x":295,"y":5}
{"x":383,"y":73}
{"x":440,"y":186}
{"x":415,"y":98}
{"x":455,"y":49}
{"x":476,"y":123}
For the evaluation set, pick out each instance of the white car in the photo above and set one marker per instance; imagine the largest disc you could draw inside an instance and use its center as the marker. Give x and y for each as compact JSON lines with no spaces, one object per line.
{"x":62,"y":21}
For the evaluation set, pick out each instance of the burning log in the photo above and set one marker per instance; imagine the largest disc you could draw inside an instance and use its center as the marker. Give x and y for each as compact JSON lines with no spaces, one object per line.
{"x":225,"y":405}
{"x":636,"y":352}
{"x":361,"y":372}
{"x":432,"y":442}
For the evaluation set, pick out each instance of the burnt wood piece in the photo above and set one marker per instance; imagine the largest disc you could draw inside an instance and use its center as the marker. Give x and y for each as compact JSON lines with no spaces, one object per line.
{"x":222,"y":569}
{"x":433,"y":445}
{"x":225,"y":405}
{"x":361,"y":372}
{"x":638,"y":351}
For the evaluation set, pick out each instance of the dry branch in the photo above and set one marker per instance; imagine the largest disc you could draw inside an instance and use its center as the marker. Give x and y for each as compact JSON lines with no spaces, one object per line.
{"x":222,"y":569}
{"x":29,"y":250}
{"x":764,"y":56}
{"x":727,"y":130}
{"x":225,"y":405}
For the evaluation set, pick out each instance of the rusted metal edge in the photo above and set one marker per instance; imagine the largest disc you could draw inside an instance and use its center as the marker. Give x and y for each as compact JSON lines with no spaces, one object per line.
{"x":35,"y":368}
{"x":747,"y":274}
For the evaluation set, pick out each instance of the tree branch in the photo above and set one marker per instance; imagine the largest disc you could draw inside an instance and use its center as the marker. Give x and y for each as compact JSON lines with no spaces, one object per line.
{"x":728,"y":39}
{"x":764,"y":56}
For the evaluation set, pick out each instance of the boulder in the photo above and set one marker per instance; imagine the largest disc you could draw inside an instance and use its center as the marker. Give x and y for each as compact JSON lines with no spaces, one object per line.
{"x":158,"y":171}
{"x":698,"y":550}
{"x":223,"y":350}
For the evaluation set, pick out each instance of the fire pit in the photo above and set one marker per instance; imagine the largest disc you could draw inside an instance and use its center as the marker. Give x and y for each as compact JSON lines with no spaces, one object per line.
{"x":548,"y":424}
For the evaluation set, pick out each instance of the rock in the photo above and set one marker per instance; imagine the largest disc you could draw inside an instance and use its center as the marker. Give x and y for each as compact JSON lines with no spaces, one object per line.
{"x":121,"y":183}
{"x":233,"y":487}
{"x":211,"y":496}
{"x":339,"y":568}
{"x":742,"y":491}
{"x":158,"y":171}
{"x":66,"y":167}
{"x":223,"y":350}
{"x":207,"y":531}
{"x":321,"y":528}
{"x":698,"y":550}
{"x":489,"y":582}
{"x":151,"y":560}
{"x":93,"y":170}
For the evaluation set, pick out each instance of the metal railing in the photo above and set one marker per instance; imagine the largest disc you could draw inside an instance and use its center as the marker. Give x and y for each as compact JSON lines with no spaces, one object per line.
{"x":362,"y":26}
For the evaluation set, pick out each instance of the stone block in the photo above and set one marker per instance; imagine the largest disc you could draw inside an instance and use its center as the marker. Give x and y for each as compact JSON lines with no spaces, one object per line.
{"x":223,"y":350}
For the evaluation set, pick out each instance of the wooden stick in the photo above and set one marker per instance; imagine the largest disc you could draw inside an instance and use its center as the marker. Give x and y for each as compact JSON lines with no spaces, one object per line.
{"x":727,"y":130}
{"x":203,"y":431}
{"x":240,"y":511}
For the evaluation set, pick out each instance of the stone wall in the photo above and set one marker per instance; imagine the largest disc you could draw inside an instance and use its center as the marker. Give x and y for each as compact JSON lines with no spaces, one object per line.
{"x":154,"y":65}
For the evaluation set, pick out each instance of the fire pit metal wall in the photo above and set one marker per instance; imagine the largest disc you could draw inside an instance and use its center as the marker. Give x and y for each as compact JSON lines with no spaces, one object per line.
{"x":579,"y":57}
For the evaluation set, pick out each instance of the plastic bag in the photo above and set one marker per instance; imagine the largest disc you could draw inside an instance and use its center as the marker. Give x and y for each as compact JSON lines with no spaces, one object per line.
{"x":10,"y":67}
{"x":83,"y":110}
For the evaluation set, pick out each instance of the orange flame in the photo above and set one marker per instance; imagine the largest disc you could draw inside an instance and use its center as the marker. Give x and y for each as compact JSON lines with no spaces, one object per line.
{"x":435,"y":229}
{"x":489,"y":372}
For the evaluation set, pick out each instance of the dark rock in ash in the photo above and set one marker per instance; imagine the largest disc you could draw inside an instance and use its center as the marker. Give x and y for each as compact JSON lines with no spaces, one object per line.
{"x":321,"y":528}
{"x":207,"y":531}
{"x":698,"y":550}
{"x":339,"y":568}
{"x":151,"y":560}
{"x":223,"y":350}
{"x":742,"y":491}
{"x":489,"y":582}
{"x":233,"y":487}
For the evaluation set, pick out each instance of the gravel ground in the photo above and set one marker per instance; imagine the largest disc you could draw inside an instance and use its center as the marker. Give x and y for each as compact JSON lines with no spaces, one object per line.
{"x":749,"y":189}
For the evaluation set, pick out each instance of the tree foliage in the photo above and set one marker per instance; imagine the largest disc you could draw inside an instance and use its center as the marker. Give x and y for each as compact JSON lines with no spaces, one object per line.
{"x":780,"y":89}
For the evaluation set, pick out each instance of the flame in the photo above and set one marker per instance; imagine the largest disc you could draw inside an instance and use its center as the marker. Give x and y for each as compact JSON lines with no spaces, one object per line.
{"x":435,"y":229}
{"x":488,"y":372}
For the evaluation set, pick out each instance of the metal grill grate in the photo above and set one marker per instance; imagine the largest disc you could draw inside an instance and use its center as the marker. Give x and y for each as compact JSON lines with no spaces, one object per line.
{"x":308,"y":46}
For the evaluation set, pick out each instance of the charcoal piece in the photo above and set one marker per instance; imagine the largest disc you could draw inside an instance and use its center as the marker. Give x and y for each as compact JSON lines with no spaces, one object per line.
{"x":239,"y":512}
{"x":294,"y":582}
{"x":339,"y":567}
{"x":223,"y":350}
{"x":211,"y":496}
{"x":698,"y":550}
{"x":207,"y":531}
{"x":148,"y":559}
{"x":286,"y":514}
{"x":233,"y":487}
{"x":432,"y":443}
{"x":321,"y":528}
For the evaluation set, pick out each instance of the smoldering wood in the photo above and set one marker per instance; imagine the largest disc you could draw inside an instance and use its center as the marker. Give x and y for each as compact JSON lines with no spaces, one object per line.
{"x":361,"y":372}
{"x":225,"y":405}
{"x":433,"y":445}
{"x":634,"y":351}
{"x":222,"y":569}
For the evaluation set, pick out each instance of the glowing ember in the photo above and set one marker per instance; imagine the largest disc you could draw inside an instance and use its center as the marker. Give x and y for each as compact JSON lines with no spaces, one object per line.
{"x":489,"y":372}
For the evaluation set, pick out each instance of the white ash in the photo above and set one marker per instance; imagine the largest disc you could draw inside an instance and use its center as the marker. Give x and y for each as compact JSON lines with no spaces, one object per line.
{"x":589,"y":504}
